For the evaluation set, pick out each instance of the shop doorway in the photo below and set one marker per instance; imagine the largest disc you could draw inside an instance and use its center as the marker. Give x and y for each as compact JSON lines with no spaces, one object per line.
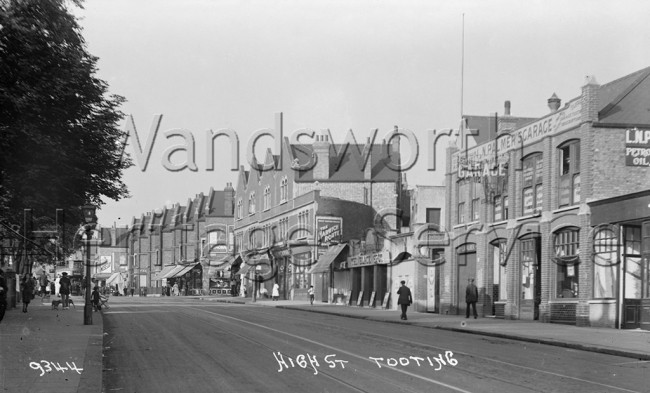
{"x":636,"y":277}
{"x":466,"y":270}
{"x":531,"y":273}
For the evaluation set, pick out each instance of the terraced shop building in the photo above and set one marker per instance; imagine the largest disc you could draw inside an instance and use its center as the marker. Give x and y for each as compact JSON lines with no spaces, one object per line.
{"x":298,"y":219}
{"x":552,"y":217}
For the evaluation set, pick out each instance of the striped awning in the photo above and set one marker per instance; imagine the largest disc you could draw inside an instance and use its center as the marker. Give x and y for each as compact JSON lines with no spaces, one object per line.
{"x":161,"y":274}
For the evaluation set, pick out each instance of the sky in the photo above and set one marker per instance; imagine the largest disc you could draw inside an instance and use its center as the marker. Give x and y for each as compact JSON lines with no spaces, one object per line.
{"x":338,"y":65}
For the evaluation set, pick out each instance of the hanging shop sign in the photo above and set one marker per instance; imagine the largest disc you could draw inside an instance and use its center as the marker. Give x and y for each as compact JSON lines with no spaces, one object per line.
{"x":637,"y":147}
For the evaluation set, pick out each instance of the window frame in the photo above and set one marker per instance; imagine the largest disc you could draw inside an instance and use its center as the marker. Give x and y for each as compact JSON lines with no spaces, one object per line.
{"x":535,"y":185}
{"x":568,"y":177}
{"x":566,"y":252}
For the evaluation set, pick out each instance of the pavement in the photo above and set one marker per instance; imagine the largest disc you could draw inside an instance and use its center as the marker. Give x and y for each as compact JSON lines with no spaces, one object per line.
{"x":40,"y":349}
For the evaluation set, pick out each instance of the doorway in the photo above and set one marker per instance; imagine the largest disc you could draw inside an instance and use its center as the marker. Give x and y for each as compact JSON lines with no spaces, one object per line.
{"x":466,"y":270}
{"x":531,"y":274}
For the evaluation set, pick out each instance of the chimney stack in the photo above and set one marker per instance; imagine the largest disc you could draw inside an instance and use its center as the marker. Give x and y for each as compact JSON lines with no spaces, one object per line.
{"x":554,"y":103}
{"x":321,"y":148}
{"x":506,"y":111}
{"x":229,"y":200}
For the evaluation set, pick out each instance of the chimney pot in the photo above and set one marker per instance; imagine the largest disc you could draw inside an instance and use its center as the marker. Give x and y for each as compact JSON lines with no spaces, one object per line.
{"x":554,"y":103}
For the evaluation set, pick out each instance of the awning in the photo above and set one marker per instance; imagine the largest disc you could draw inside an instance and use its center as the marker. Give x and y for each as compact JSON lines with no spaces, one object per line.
{"x":402,"y":256}
{"x":244,"y":269}
{"x":172,"y":273}
{"x":102,"y":276}
{"x":115,"y":277}
{"x":184,"y":270}
{"x":325,"y":260}
{"x":161,"y":274}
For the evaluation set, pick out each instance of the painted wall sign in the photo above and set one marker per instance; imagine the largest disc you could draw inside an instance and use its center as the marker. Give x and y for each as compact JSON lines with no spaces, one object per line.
{"x":562,"y":120}
{"x":637,"y":147}
{"x":329,"y":229}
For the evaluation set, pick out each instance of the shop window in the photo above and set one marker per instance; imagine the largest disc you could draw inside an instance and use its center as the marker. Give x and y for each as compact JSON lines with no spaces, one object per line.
{"x":569,"y":173}
{"x":606,"y":251}
{"x":499,"y":276}
{"x":566,"y":245}
{"x":533,"y":191}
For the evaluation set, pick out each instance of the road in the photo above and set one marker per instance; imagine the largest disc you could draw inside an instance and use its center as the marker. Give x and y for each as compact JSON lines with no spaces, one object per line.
{"x":180,"y":344}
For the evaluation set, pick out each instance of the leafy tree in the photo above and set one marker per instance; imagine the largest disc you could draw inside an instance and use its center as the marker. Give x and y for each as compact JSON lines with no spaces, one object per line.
{"x":60,"y":145}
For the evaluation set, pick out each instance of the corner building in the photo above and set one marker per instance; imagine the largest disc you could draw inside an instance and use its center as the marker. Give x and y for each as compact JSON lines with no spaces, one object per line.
{"x":552,"y":217}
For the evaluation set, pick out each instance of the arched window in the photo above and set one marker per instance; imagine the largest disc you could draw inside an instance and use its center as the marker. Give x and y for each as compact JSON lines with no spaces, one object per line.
{"x":606,"y":258}
{"x":569,"y":173}
{"x":267,"y":197}
{"x":251,"y":203}
{"x":239,"y":209}
{"x":284,"y":189}
{"x":566,"y":246}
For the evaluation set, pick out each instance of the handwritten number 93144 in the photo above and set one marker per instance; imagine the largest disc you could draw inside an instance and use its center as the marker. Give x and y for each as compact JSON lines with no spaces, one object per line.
{"x":48,"y":367}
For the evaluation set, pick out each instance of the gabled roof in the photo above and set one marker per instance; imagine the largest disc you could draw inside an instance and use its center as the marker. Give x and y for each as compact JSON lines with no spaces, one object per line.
{"x":346,"y":165}
{"x":626,"y":100}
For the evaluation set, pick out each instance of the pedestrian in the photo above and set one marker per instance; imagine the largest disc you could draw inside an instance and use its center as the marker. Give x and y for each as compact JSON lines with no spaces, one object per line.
{"x":34,"y":286}
{"x":471,"y":297}
{"x":126,"y":291}
{"x":27,"y":288}
{"x":94,"y":298}
{"x":310,"y":292}
{"x":132,"y":291}
{"x":64,"y":290}
{"x":175,"y":291}
{"x":43,"y":281}
{"x":404,"y":299}
{"x":276,"y":292}
{"x":3,"y":294}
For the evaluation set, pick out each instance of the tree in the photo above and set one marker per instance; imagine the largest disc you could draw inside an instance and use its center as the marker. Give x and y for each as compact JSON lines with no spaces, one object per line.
{"x":60,"y":144}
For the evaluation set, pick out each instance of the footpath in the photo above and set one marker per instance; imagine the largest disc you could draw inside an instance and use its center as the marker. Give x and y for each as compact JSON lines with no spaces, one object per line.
{"x":633,"y":344}
{"x":46,"y":350}
{"x":40,"y":350}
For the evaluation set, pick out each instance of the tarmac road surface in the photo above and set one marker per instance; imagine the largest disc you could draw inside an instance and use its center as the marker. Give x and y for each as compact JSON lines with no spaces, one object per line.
{"x":173,"y":345}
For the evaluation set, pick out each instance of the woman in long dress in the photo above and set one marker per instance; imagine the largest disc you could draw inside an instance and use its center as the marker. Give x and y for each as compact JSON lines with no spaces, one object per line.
{"x":276,"y":291}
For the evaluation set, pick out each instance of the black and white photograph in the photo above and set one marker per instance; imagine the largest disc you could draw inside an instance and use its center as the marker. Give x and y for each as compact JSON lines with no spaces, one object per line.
{"x":324,"y":196}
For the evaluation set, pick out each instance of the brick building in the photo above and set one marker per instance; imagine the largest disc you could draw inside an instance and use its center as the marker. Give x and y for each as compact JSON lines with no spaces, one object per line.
{"x":306,"y":220}
{"x":189,"y":245}
{"x":551,"y":217}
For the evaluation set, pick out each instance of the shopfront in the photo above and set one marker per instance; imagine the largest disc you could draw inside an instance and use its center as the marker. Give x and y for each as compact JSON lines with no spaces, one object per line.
{"x":369,"y":278}
{"x":621,"y":261}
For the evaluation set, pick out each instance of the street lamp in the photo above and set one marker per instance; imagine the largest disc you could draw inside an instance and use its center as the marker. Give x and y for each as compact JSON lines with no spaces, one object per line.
{"x":89,"y":225}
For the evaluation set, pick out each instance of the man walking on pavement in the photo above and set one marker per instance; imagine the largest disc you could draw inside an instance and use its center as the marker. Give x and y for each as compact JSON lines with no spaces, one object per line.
{"x":405,"y":299}
{"x":471,"y":297}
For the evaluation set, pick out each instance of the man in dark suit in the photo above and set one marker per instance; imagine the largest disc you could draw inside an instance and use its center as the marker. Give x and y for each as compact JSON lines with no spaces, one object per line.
{"x":471,"y":297}
{"x":404,"y":299}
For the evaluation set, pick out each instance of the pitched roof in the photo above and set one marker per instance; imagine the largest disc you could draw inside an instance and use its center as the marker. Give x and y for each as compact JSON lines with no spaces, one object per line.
{"x":347,"y":165}
{"x":626,"y":100}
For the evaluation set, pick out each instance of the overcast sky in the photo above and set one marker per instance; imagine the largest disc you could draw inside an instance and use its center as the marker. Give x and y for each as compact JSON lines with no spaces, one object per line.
{"x":343,"y":65}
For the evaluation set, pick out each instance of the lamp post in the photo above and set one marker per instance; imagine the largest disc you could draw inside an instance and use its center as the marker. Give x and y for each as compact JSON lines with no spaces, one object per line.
{"x":89,"y":226}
